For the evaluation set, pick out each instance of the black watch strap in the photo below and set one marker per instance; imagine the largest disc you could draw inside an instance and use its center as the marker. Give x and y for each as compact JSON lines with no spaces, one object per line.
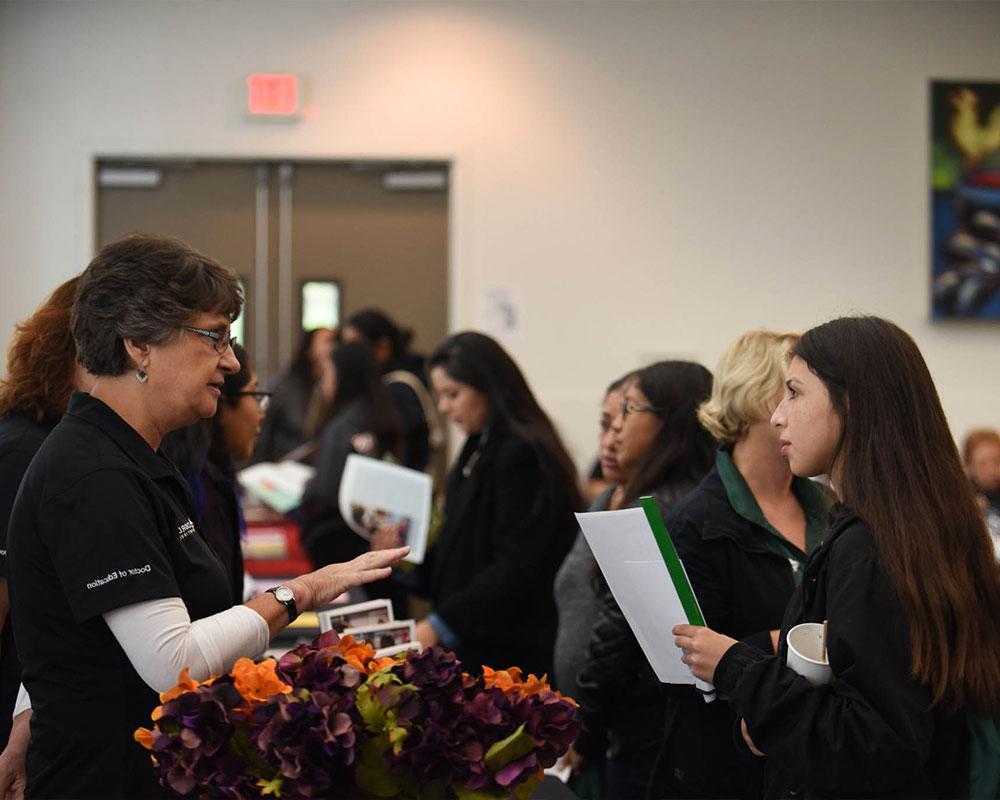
{"x":284,"y":596}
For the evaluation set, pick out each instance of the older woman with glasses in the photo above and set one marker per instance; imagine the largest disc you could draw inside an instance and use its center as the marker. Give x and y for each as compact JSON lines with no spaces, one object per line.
{"x":114,"y":590}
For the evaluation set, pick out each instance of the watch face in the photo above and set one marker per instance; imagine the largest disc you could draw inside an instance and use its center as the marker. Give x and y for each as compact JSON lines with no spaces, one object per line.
{"x":284,"y":594}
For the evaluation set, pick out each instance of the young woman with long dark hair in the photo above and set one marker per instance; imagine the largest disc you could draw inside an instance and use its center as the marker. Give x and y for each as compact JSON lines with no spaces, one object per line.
{"x":662,"y":451}
{"x":905,"y":580}
{"x":508,"y":514}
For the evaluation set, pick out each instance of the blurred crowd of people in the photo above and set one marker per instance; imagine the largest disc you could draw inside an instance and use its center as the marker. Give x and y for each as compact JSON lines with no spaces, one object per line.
{"x":804,"y":480}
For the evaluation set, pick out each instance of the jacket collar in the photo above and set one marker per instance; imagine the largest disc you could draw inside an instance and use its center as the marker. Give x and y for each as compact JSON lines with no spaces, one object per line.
{"x":92,"y":411}
{"x":742,"y":501}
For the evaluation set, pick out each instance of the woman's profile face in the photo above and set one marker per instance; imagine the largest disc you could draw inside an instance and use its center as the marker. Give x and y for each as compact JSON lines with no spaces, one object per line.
{"x":607,"y":449}
{"x":467,"y":407}
{"x":635,"y":427}
{"x":808,"y":426}
{"x":241,"y":423}
{"x":187,"y":374}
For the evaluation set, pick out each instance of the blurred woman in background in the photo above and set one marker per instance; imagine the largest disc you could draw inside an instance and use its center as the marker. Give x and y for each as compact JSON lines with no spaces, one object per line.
{"x":362,"y":420}
{"x":508,"y":514}
{"x":577,"y":585}
{"x":662,"y":451}
{"x":403,"y":374}
{"x":299,"y":399}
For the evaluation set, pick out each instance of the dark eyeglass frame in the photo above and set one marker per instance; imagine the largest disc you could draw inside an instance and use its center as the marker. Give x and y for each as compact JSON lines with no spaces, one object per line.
{"x":262,"y":398}
{"x":628,"y":407}
{"x":220,"y":341}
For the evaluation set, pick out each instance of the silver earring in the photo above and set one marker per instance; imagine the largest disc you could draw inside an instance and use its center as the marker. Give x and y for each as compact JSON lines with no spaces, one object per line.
{"x":141,"y":376}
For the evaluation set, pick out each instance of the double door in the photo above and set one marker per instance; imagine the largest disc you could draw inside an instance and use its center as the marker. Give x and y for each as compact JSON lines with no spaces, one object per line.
{"x":312,"y":242}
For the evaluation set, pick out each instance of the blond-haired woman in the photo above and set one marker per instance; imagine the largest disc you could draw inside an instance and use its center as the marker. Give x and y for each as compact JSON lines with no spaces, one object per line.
{"x":743,"y":535}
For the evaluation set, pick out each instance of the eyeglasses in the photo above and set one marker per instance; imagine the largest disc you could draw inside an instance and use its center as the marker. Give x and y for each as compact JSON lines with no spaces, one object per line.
{"x":628,"y":407}
{"x":263,"y":398}
{"x":220,"y":341}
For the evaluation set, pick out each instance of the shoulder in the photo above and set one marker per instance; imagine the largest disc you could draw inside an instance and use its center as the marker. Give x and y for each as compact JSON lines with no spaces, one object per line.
{"x":510,"y":450}
{"x":77,"y":452}
{"x":850,"y":541}
{"x":703,"y":506}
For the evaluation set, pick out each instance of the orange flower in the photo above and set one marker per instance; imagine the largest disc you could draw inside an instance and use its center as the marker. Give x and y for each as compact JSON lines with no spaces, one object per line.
{"x":360,"y":655}
{"x":510,"y":681}
{"x":257,"y":682}
{"x":184,"y":684}
{"x":144,"y":736}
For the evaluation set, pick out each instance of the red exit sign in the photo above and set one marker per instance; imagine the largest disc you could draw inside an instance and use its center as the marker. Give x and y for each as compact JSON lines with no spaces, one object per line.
{"x":273,"y":93}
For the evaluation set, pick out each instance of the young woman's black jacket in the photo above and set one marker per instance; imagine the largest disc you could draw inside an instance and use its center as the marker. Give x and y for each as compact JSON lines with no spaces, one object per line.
{"x":873,"y":732}
{"x":743,"y":578}
{"x":508,"y":524}
{"x":621,"y":706}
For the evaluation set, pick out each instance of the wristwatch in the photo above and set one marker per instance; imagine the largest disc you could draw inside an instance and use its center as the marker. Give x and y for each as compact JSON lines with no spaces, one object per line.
{"x":285,"y":596}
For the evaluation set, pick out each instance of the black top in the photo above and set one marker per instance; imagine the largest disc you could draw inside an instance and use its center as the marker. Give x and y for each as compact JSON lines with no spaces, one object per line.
{"x":621,"y":703}
{"x":507,"y":527}
{"x":221,"y":521}
{"x":416,"y":442}
{"x":20,"y":437}
{"x":872,"y":732}
{"x":101,"y":522}
{"x":326,"y":536}
{"x":743,"y":583}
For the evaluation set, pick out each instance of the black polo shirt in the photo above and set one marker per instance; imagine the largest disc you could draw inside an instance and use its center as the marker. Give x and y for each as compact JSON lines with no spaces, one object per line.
{"x":101,"y":521}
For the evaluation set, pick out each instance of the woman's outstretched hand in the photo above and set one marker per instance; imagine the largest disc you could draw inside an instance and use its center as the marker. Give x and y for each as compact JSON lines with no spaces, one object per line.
{"x":328,"y":582}
{"x":703,"y":649}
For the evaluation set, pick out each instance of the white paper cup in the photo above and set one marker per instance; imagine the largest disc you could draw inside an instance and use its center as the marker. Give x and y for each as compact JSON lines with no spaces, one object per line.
{"x":805,"y":653}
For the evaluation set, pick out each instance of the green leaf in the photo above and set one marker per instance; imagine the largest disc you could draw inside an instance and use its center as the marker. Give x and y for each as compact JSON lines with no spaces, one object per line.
{"x":372,"y":771}
{"x":463,"y":793}
{"x":515,"y":746}
{"x":270,"y":787}
{"x":526,"y":789}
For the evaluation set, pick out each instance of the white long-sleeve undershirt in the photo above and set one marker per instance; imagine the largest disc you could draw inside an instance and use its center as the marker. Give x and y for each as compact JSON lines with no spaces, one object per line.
{"x":160,"y":639}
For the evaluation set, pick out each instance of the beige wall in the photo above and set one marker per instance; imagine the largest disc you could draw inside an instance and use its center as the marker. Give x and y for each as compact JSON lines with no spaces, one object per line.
{"x":646,"y":179}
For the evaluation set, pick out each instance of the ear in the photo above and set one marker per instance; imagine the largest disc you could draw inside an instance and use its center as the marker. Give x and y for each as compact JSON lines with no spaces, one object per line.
{"x":383,"y":350}
{"x":138,"y":353}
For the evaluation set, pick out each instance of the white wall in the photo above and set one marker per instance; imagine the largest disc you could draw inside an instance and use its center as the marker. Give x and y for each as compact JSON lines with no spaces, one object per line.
{"x":648,"y":179}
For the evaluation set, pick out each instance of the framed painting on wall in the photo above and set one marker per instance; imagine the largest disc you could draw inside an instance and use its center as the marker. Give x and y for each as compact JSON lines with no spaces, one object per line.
{"x":965,"y":199}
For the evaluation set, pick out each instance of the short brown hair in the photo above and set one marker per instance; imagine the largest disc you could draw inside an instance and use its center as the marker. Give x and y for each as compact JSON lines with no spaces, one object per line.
{"x":143,"y":288}
{"x":976,"y":438}
{"x":41,"y":361}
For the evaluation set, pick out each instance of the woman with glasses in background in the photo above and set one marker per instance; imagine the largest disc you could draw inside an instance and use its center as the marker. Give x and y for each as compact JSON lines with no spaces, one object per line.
{"x":207,"y":454}
{"x":662,"y":451}
{"x":114,"y":590}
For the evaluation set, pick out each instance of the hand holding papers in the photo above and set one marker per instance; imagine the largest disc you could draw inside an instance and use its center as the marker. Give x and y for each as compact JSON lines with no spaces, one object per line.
{"x":376,"y":495}
{"x":279,"y":485}
{"x":648,"y":582}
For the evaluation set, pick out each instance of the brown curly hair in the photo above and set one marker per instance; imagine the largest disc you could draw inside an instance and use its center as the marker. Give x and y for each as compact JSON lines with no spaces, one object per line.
{"x":41,"y":362}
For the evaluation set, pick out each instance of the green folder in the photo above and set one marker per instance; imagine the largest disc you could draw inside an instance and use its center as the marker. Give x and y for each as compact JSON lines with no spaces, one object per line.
{"x":680,"y":580}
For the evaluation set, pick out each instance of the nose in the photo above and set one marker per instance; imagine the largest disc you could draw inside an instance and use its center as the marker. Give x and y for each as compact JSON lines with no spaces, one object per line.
{"x":228,"y":361}
{"x":778,"y":417}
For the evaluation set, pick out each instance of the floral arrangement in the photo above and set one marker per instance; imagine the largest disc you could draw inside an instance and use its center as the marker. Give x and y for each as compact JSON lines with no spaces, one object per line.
{"x":329,"y":719}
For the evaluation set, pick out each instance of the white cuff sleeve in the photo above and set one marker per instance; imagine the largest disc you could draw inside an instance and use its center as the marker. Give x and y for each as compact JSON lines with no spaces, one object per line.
{"x":160,"y":640}
{"x":23,"y":702}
